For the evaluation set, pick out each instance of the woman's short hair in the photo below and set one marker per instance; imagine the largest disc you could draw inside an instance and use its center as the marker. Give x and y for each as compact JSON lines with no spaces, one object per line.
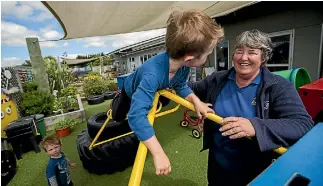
{"x":256,"y":39}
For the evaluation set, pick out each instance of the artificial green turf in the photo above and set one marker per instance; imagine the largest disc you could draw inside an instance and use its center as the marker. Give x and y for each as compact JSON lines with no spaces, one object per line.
{"x":188,"y":164}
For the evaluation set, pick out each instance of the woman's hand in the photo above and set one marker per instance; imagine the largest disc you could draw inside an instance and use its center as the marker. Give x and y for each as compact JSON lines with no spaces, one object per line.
{"x":237,"y":127}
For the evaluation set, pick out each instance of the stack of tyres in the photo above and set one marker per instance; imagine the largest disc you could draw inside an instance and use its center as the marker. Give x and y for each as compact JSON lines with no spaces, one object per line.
{"x":109,"y":157}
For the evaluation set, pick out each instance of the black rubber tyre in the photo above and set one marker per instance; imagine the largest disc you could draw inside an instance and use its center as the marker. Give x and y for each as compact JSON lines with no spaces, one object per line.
{"x":112,"y":129}
{"x":109,"y":94}
{"x":196,"y":133}
{"x":184,"y":123}
{"x":8,"y":166}
{"x":93,"y":100}
{"x":109,"y":157}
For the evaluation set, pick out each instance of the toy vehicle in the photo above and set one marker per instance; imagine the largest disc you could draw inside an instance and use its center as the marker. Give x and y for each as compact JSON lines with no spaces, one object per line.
{"x":193,"y":121}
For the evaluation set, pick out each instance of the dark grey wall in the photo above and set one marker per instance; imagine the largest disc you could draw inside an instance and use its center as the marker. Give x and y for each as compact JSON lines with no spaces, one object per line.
{"x":304,"y":17}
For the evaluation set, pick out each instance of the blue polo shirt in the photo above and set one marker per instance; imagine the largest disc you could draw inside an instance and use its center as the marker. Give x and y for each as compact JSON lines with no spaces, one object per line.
{"x":235,"y":101}
{"x":238,"y":102}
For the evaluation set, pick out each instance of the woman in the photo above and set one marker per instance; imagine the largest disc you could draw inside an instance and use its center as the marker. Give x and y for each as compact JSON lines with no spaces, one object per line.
{"x":254,"y":103}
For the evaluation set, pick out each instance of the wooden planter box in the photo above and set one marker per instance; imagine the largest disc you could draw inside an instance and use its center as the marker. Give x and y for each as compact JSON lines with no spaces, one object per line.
{"x":78,"y":114}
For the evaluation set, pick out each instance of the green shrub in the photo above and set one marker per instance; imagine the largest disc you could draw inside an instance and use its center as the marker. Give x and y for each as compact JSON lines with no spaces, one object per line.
{"x":66,"y":123}
{"x":37,"y":102}
{"x":29,"y":86}
{"x":112,"y":86}
{"x":66,"y":103}
{"x":93,"y":74}
{"x":70,"y":90}
{"x":94,"y":85}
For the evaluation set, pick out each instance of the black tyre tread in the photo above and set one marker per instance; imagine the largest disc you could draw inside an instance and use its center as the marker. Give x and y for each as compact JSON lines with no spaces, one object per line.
{"x":109,"y":94}
{"x":93,"y":100}
{"x":111,"y":130}
{"x":109,"y":157}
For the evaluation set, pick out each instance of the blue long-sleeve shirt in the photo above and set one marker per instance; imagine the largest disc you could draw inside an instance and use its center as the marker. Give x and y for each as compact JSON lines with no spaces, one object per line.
{"x":57,"y":171}
{"x":142,"y":85}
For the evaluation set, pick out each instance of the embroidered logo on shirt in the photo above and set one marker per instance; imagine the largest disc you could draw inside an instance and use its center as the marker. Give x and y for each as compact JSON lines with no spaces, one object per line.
{"x":266,"y":105}
{"x":253,"y":102}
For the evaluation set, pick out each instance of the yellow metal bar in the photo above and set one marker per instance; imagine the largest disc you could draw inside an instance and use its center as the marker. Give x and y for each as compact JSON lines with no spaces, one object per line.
{"x":160,"y":107}
{"x":188,"y":104}
{"x":109,"y":113}
{"x":105,"y":141}
{"x":280,"y":150}
{"x":168,"y":111}
{"x":138,"y":166}
{"x":212,"y":117}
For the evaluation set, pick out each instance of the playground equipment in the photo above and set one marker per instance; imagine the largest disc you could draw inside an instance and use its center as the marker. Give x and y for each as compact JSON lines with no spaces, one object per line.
{"x":138,"y":167}
{"x":298,"y":76}
{"x":312,"y":97}
{"x":9,"y":112}
{"x":300,"y":165}
{"x":311,"y":93}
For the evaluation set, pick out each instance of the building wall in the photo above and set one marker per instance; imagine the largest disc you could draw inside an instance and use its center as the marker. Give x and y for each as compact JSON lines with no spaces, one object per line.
{"x":136,"y":56}
{"x":305,"y":19}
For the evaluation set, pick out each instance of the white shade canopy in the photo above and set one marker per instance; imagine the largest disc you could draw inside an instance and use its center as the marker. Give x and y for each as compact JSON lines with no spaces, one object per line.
{"x":99,"y":18}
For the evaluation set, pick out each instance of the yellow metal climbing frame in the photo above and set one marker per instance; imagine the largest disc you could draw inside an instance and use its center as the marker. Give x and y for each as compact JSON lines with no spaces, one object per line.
{"x":139,"y":163}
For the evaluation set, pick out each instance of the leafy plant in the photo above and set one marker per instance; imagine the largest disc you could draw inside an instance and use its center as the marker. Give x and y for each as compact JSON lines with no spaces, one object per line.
{"x":37,"y":102}
{"x":66,"y":123}
{"x":29,"y":86}
{"x":58,"y":77}
{"x":112,"y":86}
{"x":57,"y":105}
{"x":70,"y":90}
{"x":94,"y":85}
{"x":93,"y":74}
{"x":66,"y":103}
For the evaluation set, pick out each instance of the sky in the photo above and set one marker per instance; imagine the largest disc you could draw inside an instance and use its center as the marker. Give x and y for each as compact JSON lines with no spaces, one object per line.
{"x":21,"y":19}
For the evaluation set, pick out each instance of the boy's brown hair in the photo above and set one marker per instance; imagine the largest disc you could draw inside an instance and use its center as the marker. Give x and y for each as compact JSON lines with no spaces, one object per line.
{"x":191,"y":32}
{"x":50,"y":140}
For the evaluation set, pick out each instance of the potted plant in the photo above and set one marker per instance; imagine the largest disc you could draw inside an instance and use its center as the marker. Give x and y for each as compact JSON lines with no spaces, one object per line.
{"x":63,"y":128}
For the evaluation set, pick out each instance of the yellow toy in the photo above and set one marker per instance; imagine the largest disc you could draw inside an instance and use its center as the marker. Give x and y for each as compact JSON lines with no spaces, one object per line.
{"x":9,"y":112}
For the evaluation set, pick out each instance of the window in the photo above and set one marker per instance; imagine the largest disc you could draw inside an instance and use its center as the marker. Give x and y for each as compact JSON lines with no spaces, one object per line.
{"x":222,"y":56}
{"x":282,"y":57}
{"x":142,"y":60}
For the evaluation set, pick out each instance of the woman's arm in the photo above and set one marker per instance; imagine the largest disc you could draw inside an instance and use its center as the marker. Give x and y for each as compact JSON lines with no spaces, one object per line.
{"x":291,"y":120}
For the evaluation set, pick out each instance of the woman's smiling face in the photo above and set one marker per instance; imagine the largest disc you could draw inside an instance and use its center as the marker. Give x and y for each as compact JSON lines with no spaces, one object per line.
{"x":247,"y":61}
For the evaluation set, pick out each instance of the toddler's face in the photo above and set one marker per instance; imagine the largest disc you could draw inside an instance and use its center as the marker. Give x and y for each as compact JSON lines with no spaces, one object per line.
{"x":53,"y":150}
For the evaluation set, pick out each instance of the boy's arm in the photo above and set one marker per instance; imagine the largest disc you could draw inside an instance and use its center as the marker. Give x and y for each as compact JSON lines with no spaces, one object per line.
{"x":141,"y":103}
{"x":192,"y":98}
{"x":71,"y":164}
{"x":51,"y":176}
